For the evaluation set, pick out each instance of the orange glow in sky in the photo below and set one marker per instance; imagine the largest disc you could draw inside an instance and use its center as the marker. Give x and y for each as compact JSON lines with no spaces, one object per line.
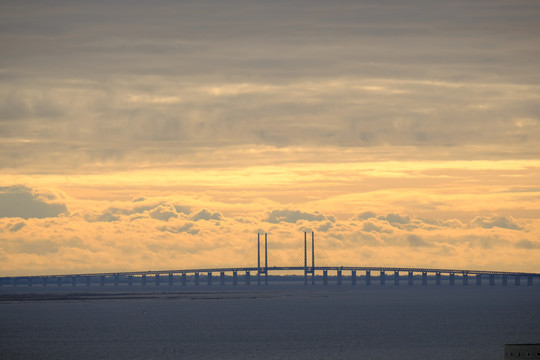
{"x":162,"y":137}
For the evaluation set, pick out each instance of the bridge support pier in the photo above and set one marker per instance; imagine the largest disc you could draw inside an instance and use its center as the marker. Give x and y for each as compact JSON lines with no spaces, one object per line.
{"x":305,"y":259}
{"x":248,"y":278}
{"x":209,"y":279}
{"x":196,"y":279}
{"x":368,"y":277}
{"x":325,"y":277}
{"x":44,"y":281}
{"x":73,"y":280}
{"x":452,"y":279}
{"x":465,"y":279}
{"x":438,"y":278}
{"x":222,"y":278}
{"x":184,"y":279}
{"x":157,"y":279}
{"x":396,"y":278}
{"x":130,"y":280}
{"x":517,"y":280}
{"x":115,"y":279}
{"x":265,"y":260}
{"x":529,"y":280}
{"x":143,"y":279}
{"x":235,"y":278}
{"x":29,"y":280}
{"x":505,"y":280}
{"x":171,"y":279}
{"x":411,"y":278}
{"x":382,"y":278}
{"x":102,"y":280}
{"x":339,"y":277}
{"x":491,"y":279}
{"x":353,"y":277}
{"x":258,"y":259}
{"x":478,"y":279}
{"x":424,"y":278}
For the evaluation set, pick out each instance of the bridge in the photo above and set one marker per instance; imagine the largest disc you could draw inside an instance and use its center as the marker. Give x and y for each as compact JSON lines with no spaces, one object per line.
{"x":351,"y":275}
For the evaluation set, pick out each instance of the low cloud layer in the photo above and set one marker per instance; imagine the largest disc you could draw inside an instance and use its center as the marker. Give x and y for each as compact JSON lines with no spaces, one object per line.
{"x":151,"y":234}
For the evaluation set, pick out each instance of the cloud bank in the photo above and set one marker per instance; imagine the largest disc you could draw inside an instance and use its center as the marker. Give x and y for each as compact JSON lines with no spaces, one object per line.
{"x":151,"y":234}
{"x":127,"y":82}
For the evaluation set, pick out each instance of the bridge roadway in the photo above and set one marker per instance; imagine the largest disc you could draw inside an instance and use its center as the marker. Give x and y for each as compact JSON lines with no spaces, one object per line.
{"x":129,"y":276}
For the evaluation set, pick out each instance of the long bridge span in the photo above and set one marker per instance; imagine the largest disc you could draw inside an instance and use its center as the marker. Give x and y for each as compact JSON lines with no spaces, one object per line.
{"x":340,"y":275}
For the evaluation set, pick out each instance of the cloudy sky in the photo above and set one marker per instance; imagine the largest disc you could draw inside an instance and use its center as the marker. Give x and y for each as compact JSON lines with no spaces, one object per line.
{"x":166,"y":135}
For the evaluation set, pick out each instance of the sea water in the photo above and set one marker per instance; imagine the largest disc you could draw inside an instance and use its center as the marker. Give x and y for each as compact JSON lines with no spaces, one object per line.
{"x":266,"y":322}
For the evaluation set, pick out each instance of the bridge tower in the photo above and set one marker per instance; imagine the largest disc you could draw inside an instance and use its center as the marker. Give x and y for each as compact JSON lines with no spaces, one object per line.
{"x":309,"y":270}
{"x":261,"y":270}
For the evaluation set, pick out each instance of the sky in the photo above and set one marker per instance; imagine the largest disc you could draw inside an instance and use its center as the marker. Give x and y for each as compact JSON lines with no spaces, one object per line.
{"x":160,"y":135}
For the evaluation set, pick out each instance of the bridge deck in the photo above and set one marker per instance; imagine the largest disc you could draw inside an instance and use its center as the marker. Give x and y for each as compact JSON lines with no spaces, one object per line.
{"x":282,"y":268}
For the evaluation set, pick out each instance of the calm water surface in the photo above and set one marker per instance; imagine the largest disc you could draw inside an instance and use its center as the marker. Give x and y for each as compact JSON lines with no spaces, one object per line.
{"x":269,"y":323}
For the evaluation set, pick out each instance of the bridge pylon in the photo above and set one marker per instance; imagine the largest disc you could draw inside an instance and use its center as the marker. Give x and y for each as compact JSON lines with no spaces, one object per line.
{"x":309,"y":270}
{"x":261,"y":270}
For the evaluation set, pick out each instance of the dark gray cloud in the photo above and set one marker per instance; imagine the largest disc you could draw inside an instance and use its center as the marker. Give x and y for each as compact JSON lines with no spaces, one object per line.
{"x":163,"y":213}
{"x":207,"y":215}
{"x":505,"y":222}
{"x":396,"y":219}
{"x":293,"y":216}
{"x":17,"y":226}
{"x":366,"y":215}
{"x":376,"y":223}
{"x":37,"y":246}
{"x":371,"y":227}
{"x":186,"y":228}
{"x":325,"y":227}
{"x":24,"y":202}
{"x":160,"y":211}
{"x":116,"y":213}
{"x":416,"y":241}
{"x":84,"y":82}
{"x":527,"y":244}
{"x":182,"y":209}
